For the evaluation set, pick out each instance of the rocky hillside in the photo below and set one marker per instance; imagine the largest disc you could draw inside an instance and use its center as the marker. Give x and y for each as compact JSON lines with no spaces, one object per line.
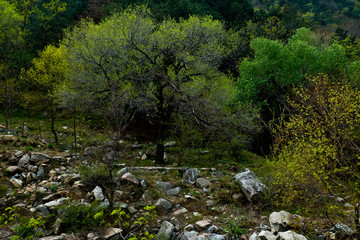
{"x":69,"y":196}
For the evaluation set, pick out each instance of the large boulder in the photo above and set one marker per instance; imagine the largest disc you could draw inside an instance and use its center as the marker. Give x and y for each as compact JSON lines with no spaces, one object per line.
{"x":37,"y":157}
{"x":24,"y":161}
{"x":250,"y":185}
{"x":282,"y":221}
{"x":163,"y":205}
{"x":342,"y":231}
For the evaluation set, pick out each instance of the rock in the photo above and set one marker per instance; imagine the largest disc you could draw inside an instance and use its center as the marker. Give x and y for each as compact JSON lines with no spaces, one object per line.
{"x":266,"y":235}
{"x":16,"y":182}
{"x":24,"y":161}
{"x":40,"y":173}
{"x":30,"y":177}
{"x":132,"y":210}
{"x":180,"y":211}
{"x":342,"y":231}
{"x":38,"y":157}
{"x":130,"y":178}
{"x":18,"y":154}
{"x":53,"y":204}
{"x":164,"y":186}
{"x":191,"y":175}
{"x":170,"y":144}
{"x":211,"y":236}
{"x":53,"y":238}
{"x":118,"y":195}
{"x":121,"y":172}
{"x":52,"y":173}
{"x":173,"y":191}
{"x":254,"y":236}
{"x":163,"y":205}
{"x":192,"y":235}
{"x":14,"y":169}
{"x":92,"y":236}
{"x":210,"y":203}
{"x":56,"y":226}
{"x":32,"y":168}
{"x":289,"y":235}
{"x":250,"y":185}
{"x":166,"y":230}
{"x":282,"y":221}
{"x":212,"y":229}
{"x":203,"y":223}
{"x":71,"y":178}
{"x":98,"y":193}
{"x":189,"y":227}
{"x":202,"y":183}
{"x":111,"y":232}
{"x":143,"y":183}
{"x":42,"y":210}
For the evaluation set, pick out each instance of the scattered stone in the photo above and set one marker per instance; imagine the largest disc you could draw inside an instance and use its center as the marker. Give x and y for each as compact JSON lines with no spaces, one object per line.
{"x":18,"y":154}
{"x":143,"y":183}
{"x":42,"y":210}
{"x":210,"y":203}
{"x":53,"y":238}
{"x":40,"y":173}
{"x":92,"y":236}
{"x":212,"y":229}
{"x":203,"y":223}
{"x":130,"y":178}
{"x":250,"y":185}
{"x":342,"y":231}
{"x":118,"y":195}
{"x":52,"y":173}
{"x":16,"y":182}
{"x":98,"y":193}
{"x":254,"y":236}
{"x":166,"y":230}
{"x":202,"y":183}
{"x":266,"y":235}
{"x":56,"y":226}
{"x":191,"y":175}
{"x":289,"y":235}
{"x":24,"y":161}
{"x":173,"y":191}
{"x":170,"y":144}
{"x":53,"y":204}
{"x":32,"y":168}
{"x":282,"y":221}
{"x":192,"y":235}
{"x":121,"y":172}
{"x":163,"y":205}
{"x":189,"y":227}
{"x":164,"y":186}
{"x":14,"y":169}
{"x":38,"y":157}
{"x":111,"y":232}
{"x":132,"y":210}
{"x":180,"y":211}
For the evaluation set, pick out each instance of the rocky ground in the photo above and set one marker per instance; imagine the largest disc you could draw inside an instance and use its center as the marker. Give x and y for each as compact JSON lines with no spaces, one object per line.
{"x":190,"y":203}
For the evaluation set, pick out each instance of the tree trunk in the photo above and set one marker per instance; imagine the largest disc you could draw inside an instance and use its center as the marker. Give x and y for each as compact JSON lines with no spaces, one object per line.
{"x":74,"y":126}
{"x":53,"y":114}
{"x":160,"y":149}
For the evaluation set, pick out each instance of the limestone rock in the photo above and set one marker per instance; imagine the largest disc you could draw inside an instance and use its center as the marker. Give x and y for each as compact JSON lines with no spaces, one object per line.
{"x":289,"y":235}
{"x":38,"y":157}
{"x":282,"y":221}
{"x":98,"y":193}
{"x":24,"y":161}
{"x":203,"y":223}
{"x":254,"y":236}
{"x":191,"y":175}
{"x":53,"y":204}
{"x":180,"y":212}
{"x":250,"y":185}
{"x":111,"y":232}
{"x":42,"y":210}
{"x":166,"y":230}
{"x":18,"y":154}
{"x":164,"y":186}
{"x":16,"y":182}
{"x":14,"y":169}
{"x":163,"y":205}
{"x":173,"y":191}
{"x":130,"y":178}
{"x":266,"y":235}
{"x":202,"y":183}
{"x":342,"y":231}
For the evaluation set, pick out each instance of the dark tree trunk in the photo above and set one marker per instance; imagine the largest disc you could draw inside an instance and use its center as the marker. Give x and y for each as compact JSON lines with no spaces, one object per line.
{"x":53,"y":115}
{"x":160,"y":149}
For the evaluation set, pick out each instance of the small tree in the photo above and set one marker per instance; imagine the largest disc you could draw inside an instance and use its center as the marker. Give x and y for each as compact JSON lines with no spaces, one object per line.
{"x":318,"y":148}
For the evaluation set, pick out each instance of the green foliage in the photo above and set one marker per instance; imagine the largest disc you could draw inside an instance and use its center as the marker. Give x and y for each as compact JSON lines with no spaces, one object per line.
{"x":22,"y":227}
{"x":234,"y":229}
{"x":75,"y":217}
{"x":267,"y":79}
{"x":317,"y":151}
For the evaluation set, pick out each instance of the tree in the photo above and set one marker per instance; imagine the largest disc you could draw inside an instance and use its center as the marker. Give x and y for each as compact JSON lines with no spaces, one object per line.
{"x":267,"y":79}
{"x":131,"y":65}
{"x":47,"y":72}
{"x":317,"y":151}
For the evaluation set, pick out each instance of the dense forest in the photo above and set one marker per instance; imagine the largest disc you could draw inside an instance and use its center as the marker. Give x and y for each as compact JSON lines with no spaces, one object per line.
{"x":276,"y":80}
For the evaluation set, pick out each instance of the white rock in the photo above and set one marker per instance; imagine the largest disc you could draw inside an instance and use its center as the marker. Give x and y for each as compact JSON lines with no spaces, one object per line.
{"x":16,"y":182}
{"x":250,"y":185}
{"x":98,"y":193}
{"x":266,"y":235}
{"x":166,"y":230}
{"x":180,"y":211}
{"x":203,"y":223}
{"x":56,"y":203}
{"x":289,"y":235}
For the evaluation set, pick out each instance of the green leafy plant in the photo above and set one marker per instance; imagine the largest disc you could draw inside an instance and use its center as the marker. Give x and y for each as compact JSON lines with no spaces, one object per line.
{"x":234,"y":229}
{"x":22,"y":227}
